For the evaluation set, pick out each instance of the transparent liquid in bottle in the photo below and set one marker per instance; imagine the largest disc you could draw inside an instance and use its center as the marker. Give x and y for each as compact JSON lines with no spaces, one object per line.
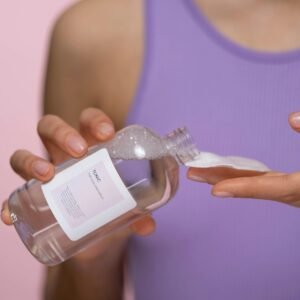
{"x":148,"y":166}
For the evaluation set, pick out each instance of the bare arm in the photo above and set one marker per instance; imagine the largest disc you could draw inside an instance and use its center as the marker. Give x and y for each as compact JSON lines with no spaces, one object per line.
{"x":69,"y":88}
{"x":82,"y":65}
{"x":94,"y":60}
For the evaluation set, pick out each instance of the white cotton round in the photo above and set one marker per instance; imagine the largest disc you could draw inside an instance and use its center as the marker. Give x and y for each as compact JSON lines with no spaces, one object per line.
{"x":209,"y":160}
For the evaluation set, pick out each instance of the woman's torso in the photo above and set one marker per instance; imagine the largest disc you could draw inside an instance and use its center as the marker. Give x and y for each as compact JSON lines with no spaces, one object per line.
{"x":234,"y":101}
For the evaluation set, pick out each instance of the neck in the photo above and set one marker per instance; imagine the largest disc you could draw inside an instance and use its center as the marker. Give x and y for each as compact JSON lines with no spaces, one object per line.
{"x":261,"y":25}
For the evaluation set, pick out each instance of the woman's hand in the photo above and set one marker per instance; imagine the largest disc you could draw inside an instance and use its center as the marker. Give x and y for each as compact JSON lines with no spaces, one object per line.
{"x":276,"y":186}
{"x":62,"y":142}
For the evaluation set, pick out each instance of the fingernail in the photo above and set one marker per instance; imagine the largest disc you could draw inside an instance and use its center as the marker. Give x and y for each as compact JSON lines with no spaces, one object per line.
{"x":105,"y":129}
{"x":197,"y":178}
{"x":40,"y":167}
{"x":296,"y":120}
{"x":76,"y":144}
{"x":223,"y":194}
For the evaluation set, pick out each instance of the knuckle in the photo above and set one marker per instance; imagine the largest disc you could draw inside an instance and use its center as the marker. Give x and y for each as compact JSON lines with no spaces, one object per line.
{"x":91,"y":115}
{"x":27,"y":162}
{"x":290,"y":188}
{"x":60,"y":130}
{"x":48,"y":121}
{"x":15,"y":158}
{"x":291,"y":179}
{"x":86,"y":113}
{"x":22,"y":161}
{"x":294,"y":180}
{"x":295,"y":177}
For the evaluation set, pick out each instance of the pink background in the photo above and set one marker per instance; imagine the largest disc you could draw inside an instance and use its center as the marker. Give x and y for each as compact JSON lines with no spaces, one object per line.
{"x":24,"y":31}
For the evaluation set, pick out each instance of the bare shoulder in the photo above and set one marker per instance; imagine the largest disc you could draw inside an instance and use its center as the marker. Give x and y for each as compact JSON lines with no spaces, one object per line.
{"x":100,"y":43}
{"x":97,"y":21}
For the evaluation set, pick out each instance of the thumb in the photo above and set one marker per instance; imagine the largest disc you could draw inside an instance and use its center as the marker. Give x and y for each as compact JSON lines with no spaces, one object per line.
{"x":294,"y":120}
{"x":5,"y":216}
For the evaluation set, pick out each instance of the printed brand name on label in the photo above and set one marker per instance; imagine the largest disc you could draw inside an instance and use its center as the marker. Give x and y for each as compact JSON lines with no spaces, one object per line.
{"x":96,"y":175}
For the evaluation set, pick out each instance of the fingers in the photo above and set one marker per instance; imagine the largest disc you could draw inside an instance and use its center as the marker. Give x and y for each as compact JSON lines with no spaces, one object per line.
{"x":30,"y":166}
{"x":143,"y":226}
{"x":294,"y":120}
{"x":62,"y":140}
{"x":59,"y":137}
{"x":283,"y":188}
{"x":216,"y":174}
{"x":95,"y":126}
{"x":5,"y":217}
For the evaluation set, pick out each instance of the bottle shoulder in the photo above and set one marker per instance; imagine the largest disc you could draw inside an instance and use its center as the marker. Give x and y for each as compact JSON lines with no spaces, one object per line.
{"x":136,"y":142}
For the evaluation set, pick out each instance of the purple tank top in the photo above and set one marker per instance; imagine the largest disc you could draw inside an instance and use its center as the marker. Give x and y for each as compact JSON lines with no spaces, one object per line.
{"x":234,"y":101}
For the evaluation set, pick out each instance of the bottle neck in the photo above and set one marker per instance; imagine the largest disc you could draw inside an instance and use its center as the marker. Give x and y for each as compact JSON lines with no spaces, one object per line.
{"x":180,"y":145}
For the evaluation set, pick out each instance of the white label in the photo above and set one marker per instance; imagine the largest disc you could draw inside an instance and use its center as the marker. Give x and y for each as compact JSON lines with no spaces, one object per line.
{"x":87,"y":195}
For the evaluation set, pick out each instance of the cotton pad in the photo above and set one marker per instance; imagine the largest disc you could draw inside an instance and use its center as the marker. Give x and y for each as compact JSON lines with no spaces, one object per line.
{"x":210,"y":160}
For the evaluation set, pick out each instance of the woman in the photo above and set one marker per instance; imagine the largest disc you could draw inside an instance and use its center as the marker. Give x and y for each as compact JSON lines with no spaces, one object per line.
{"x":229,"y":71}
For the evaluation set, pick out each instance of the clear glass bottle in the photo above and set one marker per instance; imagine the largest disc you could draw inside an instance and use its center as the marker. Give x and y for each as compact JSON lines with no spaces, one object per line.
{"x":116,"y":183}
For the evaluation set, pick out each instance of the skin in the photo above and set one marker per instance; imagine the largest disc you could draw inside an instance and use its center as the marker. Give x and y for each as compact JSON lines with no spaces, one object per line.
{"x":93,"y":44}
{"x":277,"y":186}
